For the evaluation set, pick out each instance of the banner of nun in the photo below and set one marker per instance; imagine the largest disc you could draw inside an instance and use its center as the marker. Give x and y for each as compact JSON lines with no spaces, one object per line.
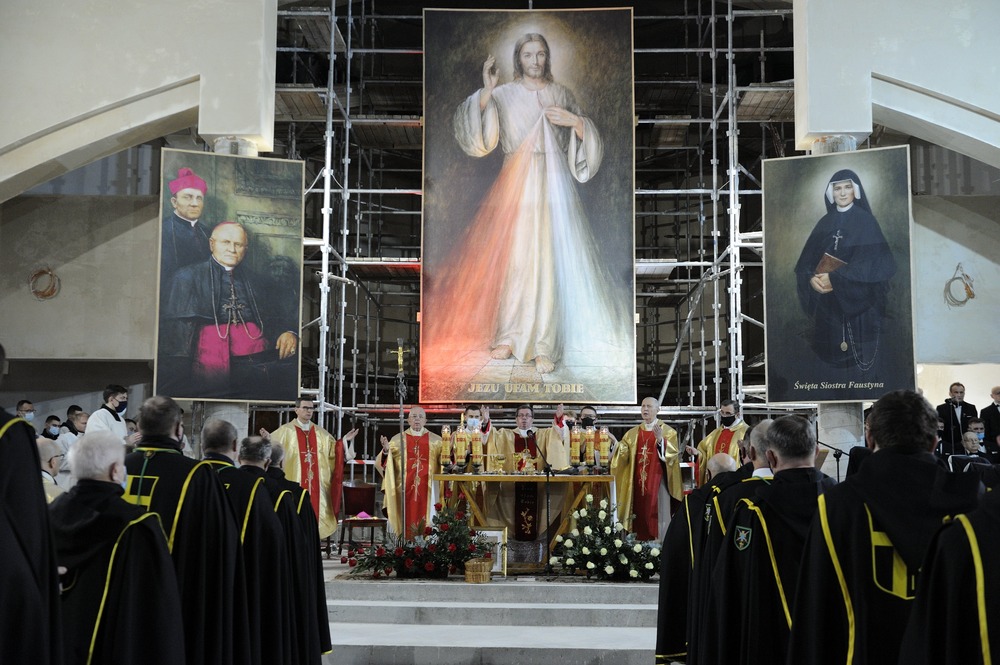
{"x":528,"y":290}
{"x":230,"y":283}
{"x":837,"y":268}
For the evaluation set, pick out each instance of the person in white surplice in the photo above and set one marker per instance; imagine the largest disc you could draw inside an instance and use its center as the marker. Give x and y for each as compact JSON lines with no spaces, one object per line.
{"x":549,"y":255}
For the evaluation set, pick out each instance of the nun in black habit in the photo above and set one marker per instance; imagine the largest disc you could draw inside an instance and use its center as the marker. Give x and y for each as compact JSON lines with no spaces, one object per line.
{"x":843,"y":277}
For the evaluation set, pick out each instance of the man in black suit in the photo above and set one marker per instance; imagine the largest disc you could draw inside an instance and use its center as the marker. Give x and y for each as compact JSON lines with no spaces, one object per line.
{"x":955,"y":413}
{"x":990,"y":416}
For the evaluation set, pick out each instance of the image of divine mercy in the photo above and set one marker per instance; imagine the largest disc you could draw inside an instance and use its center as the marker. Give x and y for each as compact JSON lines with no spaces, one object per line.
{"x":542,"y":295}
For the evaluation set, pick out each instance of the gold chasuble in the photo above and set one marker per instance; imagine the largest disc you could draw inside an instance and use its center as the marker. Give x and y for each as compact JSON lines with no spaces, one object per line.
{"x":314,"y":460}
{"x":521,"y":506}
{"x":722,"y":441}
{"x":423,"y":458}
{"x":645,"y":479}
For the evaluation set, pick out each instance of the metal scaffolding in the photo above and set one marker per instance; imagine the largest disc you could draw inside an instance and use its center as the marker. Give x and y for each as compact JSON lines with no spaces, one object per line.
{"x":713,"y":98}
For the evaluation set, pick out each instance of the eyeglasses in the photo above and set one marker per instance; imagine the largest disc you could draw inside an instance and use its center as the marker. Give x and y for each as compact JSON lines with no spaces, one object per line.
{"x":306,"y":408}
{"x":57,"y":457}
{"x":27,"y":410}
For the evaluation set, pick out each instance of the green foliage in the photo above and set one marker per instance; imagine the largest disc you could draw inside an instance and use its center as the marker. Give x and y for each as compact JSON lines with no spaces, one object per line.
{"x":600,"y":546}
{"x":443,"y":548}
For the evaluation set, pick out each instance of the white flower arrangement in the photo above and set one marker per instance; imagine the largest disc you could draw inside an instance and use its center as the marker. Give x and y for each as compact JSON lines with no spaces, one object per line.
{"x":601,"y":547}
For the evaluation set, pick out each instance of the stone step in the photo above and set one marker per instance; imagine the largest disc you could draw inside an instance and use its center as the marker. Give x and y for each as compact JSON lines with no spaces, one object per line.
{"x":393,"y":644}
{"x":500,"y":590}
{"x":425,"y":612}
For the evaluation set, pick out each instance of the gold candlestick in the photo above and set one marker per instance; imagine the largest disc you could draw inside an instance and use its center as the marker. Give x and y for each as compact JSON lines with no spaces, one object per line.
{"x":604,"y":446}
{"x":445,"y":447}
{"x":477,"y":448}
{"x":574,"y":446}
{"x":461,"y":446}
{"x":588,"y":439}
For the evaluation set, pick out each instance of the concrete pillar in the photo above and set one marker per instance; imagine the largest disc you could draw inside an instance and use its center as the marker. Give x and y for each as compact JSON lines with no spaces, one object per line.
{"x":839,"y":425}
{"x":238,"y":413}
{"x":234,"y":145}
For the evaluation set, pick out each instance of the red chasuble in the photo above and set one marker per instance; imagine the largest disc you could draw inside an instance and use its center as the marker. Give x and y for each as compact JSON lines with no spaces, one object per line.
{"x":310,"y":475}
{"x":722,"y":443}
{"x":525,"y":494}
{"x":309,"y":463}
{"x":647,"y":480}
{"x":416,"y":478}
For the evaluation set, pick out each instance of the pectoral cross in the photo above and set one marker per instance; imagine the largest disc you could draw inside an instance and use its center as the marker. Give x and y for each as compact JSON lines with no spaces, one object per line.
{"x":232,"y":305}
{"x":836,"y":240}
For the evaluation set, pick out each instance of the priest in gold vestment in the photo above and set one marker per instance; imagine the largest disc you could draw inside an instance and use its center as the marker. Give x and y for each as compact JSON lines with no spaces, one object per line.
{"x":315,"y":460}
{"x":647,"y":473}
{"x":423,"y":460}
{"x":521,"y":506}
{"x":724,"y":440}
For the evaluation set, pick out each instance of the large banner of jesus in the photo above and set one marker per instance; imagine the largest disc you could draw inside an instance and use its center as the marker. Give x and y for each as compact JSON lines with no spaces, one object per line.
{"x":230,"y":283}
{"x":837,"y":274}
{"x":528,"y":287}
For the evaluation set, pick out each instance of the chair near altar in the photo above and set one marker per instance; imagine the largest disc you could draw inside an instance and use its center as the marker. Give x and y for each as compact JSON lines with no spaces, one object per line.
{"x":359,"y":512}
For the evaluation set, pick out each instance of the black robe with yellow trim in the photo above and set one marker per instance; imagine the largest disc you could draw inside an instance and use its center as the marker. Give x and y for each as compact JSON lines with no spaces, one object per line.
{"x":681,"y":548}
{"x":865,"y":545}
{"x":204,"y":543}
{"x":120,"y":602}
{"x":29,"y":585}
{"x":265,"y":562}
{"x":311,"y":622}
{"x":748,"y":609}
{"x":716,"y":528}
{"x":953,"y":621}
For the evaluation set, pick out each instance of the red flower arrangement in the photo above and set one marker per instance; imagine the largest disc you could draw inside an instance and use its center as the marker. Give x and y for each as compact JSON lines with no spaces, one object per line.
{"x":444,"y":547}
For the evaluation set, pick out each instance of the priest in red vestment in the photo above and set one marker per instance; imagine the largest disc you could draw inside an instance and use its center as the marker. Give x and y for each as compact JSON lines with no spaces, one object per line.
{"x":315,"y":460}
{"x":646,"y":469}
{"x":423,"y":459}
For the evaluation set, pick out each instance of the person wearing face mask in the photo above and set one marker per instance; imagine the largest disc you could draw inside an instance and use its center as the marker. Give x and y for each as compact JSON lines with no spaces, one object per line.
{"x":423,"y":459}
{"x":26,"y":410}
{"x":201,"y":527}
{"x":111,"y":416}
{"x":586,"y":418}
{"x":724,"y":439}
{"x":51,"y":428}
{"x":116,"y":560}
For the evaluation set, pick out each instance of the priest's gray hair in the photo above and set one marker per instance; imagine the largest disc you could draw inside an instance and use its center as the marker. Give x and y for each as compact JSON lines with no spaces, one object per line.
{"x":277,"y":455}
{"x":758,"y":436}
{"x":255,"y":449}
{"x":792,"y":438}
{"x":218,"y":434}
{"x":93,"y":454}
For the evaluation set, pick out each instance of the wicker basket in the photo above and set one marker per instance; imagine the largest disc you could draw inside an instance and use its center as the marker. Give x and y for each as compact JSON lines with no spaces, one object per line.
{"x":478,"y":571}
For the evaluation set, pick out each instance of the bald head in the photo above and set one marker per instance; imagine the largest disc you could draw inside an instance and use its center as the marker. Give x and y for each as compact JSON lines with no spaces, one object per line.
{"x":720,"y":464}
{"x":416,"y":419}
{"x":649,"y":409}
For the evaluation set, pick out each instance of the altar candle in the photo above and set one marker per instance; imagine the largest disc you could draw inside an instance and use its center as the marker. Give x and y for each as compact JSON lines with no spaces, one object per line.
{"x":574,"y":445}
{"x":588,"y":438}
{"x":477,"y":447}
{"x":445,"y":446}
{"x":605,"y":445}
{"x":461,"y":445}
